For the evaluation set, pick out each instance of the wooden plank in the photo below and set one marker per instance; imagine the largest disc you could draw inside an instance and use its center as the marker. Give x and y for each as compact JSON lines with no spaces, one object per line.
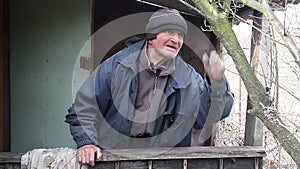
{"x":203,"y":163}
{"x":104,"y":165}
{"x":238,"y":163}
{"x":134,"y":164}
{"x":182,"y":153}
{"x":227,"y":163}
{"x":168,"y":164}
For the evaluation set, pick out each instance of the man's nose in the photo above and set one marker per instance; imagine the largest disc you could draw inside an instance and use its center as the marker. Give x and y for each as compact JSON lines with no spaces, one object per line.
{"x":175,"y":38}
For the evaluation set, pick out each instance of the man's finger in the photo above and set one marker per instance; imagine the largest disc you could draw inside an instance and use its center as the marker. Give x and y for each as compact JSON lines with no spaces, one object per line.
{"x":92,"y":157}
{"x":88,"y":156}
{"x":99,"y":154}
{"x":79,"y":157}
{"x":83,"y":157}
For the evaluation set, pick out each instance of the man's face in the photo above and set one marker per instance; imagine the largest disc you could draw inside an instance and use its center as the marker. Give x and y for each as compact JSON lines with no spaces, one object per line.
{"x":167,"y":43}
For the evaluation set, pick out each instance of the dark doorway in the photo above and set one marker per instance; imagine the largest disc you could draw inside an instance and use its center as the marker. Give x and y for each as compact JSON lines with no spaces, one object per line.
{"x":114,"y":21}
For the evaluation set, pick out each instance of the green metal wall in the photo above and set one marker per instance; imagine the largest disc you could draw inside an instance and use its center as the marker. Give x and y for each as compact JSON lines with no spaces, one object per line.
{"x":46,"y":37}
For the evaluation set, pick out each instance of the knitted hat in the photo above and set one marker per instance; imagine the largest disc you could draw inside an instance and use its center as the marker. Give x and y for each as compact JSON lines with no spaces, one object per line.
{"x":164,"y":19}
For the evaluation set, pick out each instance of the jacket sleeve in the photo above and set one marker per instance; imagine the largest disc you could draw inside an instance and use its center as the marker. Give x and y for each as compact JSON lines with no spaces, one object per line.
{"x":215,"y":103}
{"x":84,"y":114}
{"x":79,"y":135}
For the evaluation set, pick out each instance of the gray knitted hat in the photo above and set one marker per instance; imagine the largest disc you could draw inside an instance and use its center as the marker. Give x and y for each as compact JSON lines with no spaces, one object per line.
{"x":164,"y":19}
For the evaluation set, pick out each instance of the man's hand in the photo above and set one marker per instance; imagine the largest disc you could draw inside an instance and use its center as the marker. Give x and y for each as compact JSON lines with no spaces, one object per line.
{"x":86,"y":154}
{"x":214,"y":67}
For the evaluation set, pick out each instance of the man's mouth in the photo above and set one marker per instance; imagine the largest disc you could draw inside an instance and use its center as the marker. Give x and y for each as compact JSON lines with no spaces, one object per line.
{"x":172,"y":47}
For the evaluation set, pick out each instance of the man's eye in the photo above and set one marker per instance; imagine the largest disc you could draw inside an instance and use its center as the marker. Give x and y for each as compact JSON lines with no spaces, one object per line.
{"x":181,"y":36}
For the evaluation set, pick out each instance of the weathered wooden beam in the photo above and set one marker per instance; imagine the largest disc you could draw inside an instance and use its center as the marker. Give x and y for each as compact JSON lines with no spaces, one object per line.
{"x":207,"y":152}
{"x":182,"y":153}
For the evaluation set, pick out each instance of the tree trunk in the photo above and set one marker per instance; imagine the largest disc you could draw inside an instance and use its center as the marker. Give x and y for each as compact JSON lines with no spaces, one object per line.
{"x":260,"y":100}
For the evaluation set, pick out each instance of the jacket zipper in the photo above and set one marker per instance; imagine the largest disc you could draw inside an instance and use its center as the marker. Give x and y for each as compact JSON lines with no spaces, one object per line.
{"x":153,"y":68}
{"x":154,"y":85}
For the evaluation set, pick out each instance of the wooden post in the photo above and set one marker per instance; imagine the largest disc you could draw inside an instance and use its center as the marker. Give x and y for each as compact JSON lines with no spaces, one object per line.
{"x":254,"y":126}
{"x":4,"y":80}
{"x":1,"y":74}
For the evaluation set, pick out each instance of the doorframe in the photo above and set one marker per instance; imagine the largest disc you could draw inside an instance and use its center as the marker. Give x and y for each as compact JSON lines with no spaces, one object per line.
{"x":4,"y":79}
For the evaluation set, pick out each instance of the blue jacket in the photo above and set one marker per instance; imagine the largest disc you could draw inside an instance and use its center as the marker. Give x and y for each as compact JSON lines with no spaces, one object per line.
{"x":104,"y":105}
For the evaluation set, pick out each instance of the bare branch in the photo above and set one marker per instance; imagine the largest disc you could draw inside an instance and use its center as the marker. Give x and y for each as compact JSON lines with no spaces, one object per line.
{"x":259,"y":30}
{"x":273,"y":20}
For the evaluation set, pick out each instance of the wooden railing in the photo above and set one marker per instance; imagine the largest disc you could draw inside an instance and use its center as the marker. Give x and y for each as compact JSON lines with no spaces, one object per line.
{"x":164,"y":158}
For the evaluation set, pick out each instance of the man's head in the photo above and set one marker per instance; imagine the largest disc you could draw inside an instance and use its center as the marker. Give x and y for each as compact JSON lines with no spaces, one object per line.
{"x":169,"y":28}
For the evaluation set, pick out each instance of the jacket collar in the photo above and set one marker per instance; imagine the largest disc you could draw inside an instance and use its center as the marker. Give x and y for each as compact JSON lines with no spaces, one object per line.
{"x":180,"y":78}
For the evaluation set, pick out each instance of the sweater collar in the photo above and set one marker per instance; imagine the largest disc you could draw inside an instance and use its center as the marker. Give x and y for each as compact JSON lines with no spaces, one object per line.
{"x":166,"y":68}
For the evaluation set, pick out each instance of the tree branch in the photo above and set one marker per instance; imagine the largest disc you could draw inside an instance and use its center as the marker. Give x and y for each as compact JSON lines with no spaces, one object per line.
{"x":273,"y":20}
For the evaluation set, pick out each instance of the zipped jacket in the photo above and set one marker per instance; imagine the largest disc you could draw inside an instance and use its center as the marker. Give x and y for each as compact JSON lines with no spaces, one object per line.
{"x":103,"y":109}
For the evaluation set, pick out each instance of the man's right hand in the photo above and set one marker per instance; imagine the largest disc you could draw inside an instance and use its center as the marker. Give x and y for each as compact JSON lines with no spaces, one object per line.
{"x":86,"y":154}
{"x":214,"y":67}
